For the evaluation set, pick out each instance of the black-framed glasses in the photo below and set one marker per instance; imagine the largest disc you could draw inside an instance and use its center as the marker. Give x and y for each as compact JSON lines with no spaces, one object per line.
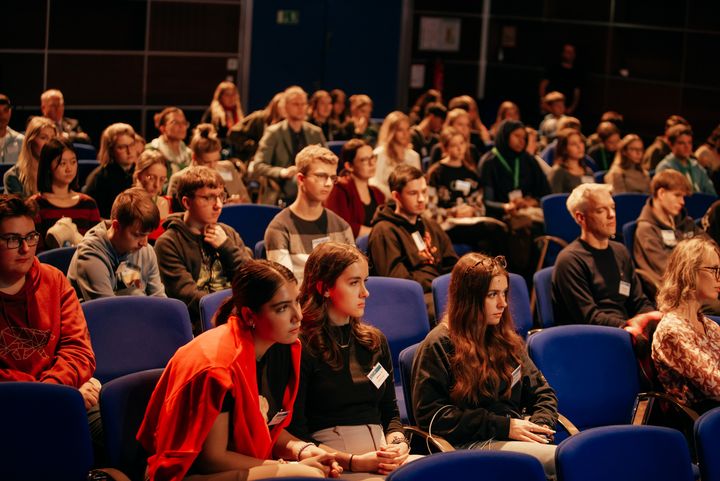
{"x":212,"y":199}
{"x":323,"y":177}
{"x":13,"y":241}
{"x":715,"y":270}
{"x":489,"y":263}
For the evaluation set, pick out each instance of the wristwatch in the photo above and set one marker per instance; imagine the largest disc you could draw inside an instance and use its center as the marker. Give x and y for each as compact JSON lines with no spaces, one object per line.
{"x":400,"y":440}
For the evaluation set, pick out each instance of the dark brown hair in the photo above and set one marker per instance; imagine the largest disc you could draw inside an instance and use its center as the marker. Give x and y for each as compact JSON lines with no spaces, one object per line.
{"x":403,"y":174}
{"x":134,"y":205}
{"x":12,"y":205}
{"x":52,"y":151}
{"x":670,"y":180}
{"x":197,"y":177}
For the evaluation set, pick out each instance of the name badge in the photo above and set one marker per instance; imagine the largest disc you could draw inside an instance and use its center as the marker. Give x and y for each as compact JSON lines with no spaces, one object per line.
{"x":587,"y":179}
{"x":419,"y":241}
{"x":516,"y":376}
{"x":377,"y":375}
{"x":278,"y":418}
{"x":668,"y":237}
{"x":624,"y":289}
{"x":462,"y":186}
{"x":226,"y":176}
{"x":318,"y":241}
{"x":515,"y":194}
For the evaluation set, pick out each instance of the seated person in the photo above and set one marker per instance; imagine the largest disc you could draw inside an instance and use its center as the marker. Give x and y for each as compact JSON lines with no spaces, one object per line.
{"x":151,"y":175}
{"x":570,"y":169}
{"x":686,"y":344}
{"x":10,"y":140}
{"x":353,"y":198}
{"x":663,"y":223}
{"x":117,"y":164}
{"x":340,"y":404}
{"x":114,"y":258}
{"x":293,"y":234}
{"x":239,"y":380}
{"x":52,"y":106}
{"x":173,"y":125}
{"x":680,"y":158}
{"x":225,"y":109}
{"x":473,"y":381}
{"x":404,"y":242}
{"x":41,"y":317}
{"x":548,"y":153}
{"x":245,"y":136}
{"x":627,"y":173}
{"x":424,"y":136}
{"x":21,"y":178}
{"x":393,"y":149}
{"x":554,"y":104}
{"x":660,"y":148}
{"x":359,"y":124}
{"x":506,"y":111}
{"x":274,"y":162}
{"x":196,"y":254}
{"x":319,"y":110}
{"x":594,"y":281}
{"x":604,"y":152}
{"x":57,"y":196}
{"x":206,"y":150}
{"x":460,"y":120}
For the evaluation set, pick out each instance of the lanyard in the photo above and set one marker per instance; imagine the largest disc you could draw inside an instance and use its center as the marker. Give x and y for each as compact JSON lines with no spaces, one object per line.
{"x":516,"y":174}
{"x":687,"y":172}
{"x":604,"y":158}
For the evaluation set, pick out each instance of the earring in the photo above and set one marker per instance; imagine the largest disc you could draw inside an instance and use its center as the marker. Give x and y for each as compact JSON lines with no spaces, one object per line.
{"x":327,"y":294}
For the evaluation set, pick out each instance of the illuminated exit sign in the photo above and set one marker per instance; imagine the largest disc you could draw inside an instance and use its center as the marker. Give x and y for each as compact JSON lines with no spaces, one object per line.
{"x":288,"y":17}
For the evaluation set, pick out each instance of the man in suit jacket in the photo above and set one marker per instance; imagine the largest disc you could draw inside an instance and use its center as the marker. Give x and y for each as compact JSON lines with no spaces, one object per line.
{"x":274,"y":162}
{"x":52,"y":105}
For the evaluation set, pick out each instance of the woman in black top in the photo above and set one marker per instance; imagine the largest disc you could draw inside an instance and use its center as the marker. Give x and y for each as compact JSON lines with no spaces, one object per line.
{"x":346,"y":399}
{"x":473,"y":382}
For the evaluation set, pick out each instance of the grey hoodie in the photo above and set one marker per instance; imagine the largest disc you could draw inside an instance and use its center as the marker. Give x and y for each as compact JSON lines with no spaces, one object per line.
{"x":96,"y":269}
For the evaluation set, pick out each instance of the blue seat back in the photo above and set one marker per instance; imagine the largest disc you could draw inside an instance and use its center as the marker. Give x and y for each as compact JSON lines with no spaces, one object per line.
{"x":123,"y":402}
{"x":335,"y":147}
{"x":85,"y":151}
{"x":628,"y":231}
{"x":627,"y":208}
{"x":707,"y":442}
{"x":85,"y":167}
{"x":593,"y":370}
{"x":135,"y":333}
{"x":209,"y":305}
{"x":406,"y":358}
{"x":471,"y":464}
{"x":558,"y":223}
{"x":440,"y":287}
{"x":600,"y":176}
{"x":259,"y":250}
{"x":249,"y":220}
{"x":542,"y":280}
{"x":45,"y":433}
{"x":625,"y":453}
{"x":362,"y":243}
{"x":698,"y":203}
{"x":59,"y":258}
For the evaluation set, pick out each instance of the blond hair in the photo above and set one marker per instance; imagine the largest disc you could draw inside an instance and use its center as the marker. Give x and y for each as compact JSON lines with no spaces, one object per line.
{"x":581,"y":195}
{"x":109,"y":139}
{"x":204,"y":140}
{"x":679,"y":282}
{"x":147,"y":159}
{"x":313,"y":153}
{"x":27,"y":164}
{"x":388,"y":131}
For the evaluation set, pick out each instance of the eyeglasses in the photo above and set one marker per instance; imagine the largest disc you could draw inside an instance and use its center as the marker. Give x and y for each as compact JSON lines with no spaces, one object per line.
{"x":13,"y":241}
{"x":155,"y":178}
{"x":367,"y":160}
{"x":126,"y":147}
{"x":323,"y":177}
{"x":181,"y":123}
{"x":212,"y":199}
{"x":715,"y":270}
{"x":489,"y":263}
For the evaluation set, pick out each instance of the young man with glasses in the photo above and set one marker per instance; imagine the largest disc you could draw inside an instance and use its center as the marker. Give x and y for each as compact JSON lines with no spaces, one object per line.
{"x":594,"y":281}
{"x":43,"y":333}
{"x":405,"y":243}
{"x":297,"y":230}
{"x":196,"y":254}
{"x":114,"y":258}
{"x":279,"y":146}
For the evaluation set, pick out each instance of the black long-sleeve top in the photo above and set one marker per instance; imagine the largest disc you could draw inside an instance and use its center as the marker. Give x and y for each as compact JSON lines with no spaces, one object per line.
{"x":462,"y":423}
{"x":346,"y":397}
{"x":586,"y":286}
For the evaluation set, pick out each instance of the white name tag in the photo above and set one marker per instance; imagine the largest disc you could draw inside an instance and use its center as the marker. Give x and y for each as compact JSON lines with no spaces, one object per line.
{"x":377,"y":375}
{"x":515,"y":194}
{"x":587,"y":179}
{"x":318,"y":241}
{"x":624,"y":289}
{"x":419,"y":241}
{"x":278,"y":418}
{"x":516,"y":376}
{"x":462,"y":186}
{"x":226,"y":176}
{"x":668,"y":237}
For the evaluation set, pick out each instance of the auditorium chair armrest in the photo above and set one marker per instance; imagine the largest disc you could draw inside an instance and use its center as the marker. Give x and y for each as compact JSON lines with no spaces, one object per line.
{"x":432,"y":444}
{"x":644,"y":403}
{"x":567,"y":425}
{"x":544,"y":242}
{"x":492,"y":220}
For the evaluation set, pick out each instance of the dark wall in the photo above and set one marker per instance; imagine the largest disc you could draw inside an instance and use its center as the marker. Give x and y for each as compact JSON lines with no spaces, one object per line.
{"x":669,"y":48}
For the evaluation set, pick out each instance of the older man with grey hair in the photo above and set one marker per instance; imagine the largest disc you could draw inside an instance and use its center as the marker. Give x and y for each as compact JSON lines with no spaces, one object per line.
{"x":594,"y":281}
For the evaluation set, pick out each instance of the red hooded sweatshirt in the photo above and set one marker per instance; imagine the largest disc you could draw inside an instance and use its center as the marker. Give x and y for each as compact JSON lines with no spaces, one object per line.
{"x":189,"y":397}
{"x":43,"y":334}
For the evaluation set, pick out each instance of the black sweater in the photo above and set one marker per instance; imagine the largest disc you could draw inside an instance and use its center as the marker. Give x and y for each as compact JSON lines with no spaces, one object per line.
{"x":346,"y":397}
{"x":586,"y":286}
{"x":463,"y":423}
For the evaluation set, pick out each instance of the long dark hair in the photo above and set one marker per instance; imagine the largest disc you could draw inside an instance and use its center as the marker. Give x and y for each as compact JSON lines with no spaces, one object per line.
{"x":326,"y":263}
{"x":485,"y":355}
{"x":52,"y":151}
{"x":254,"y":284}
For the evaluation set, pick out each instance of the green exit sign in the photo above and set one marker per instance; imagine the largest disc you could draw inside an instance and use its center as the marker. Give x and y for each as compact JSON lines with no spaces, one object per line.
{"x":288,"y":17}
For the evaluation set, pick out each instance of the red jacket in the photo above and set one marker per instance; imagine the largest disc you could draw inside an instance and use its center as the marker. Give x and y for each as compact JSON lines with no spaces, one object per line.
{"x":189,"y":397}
{"x":43,"y":334}
{"x":345,"y":201}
